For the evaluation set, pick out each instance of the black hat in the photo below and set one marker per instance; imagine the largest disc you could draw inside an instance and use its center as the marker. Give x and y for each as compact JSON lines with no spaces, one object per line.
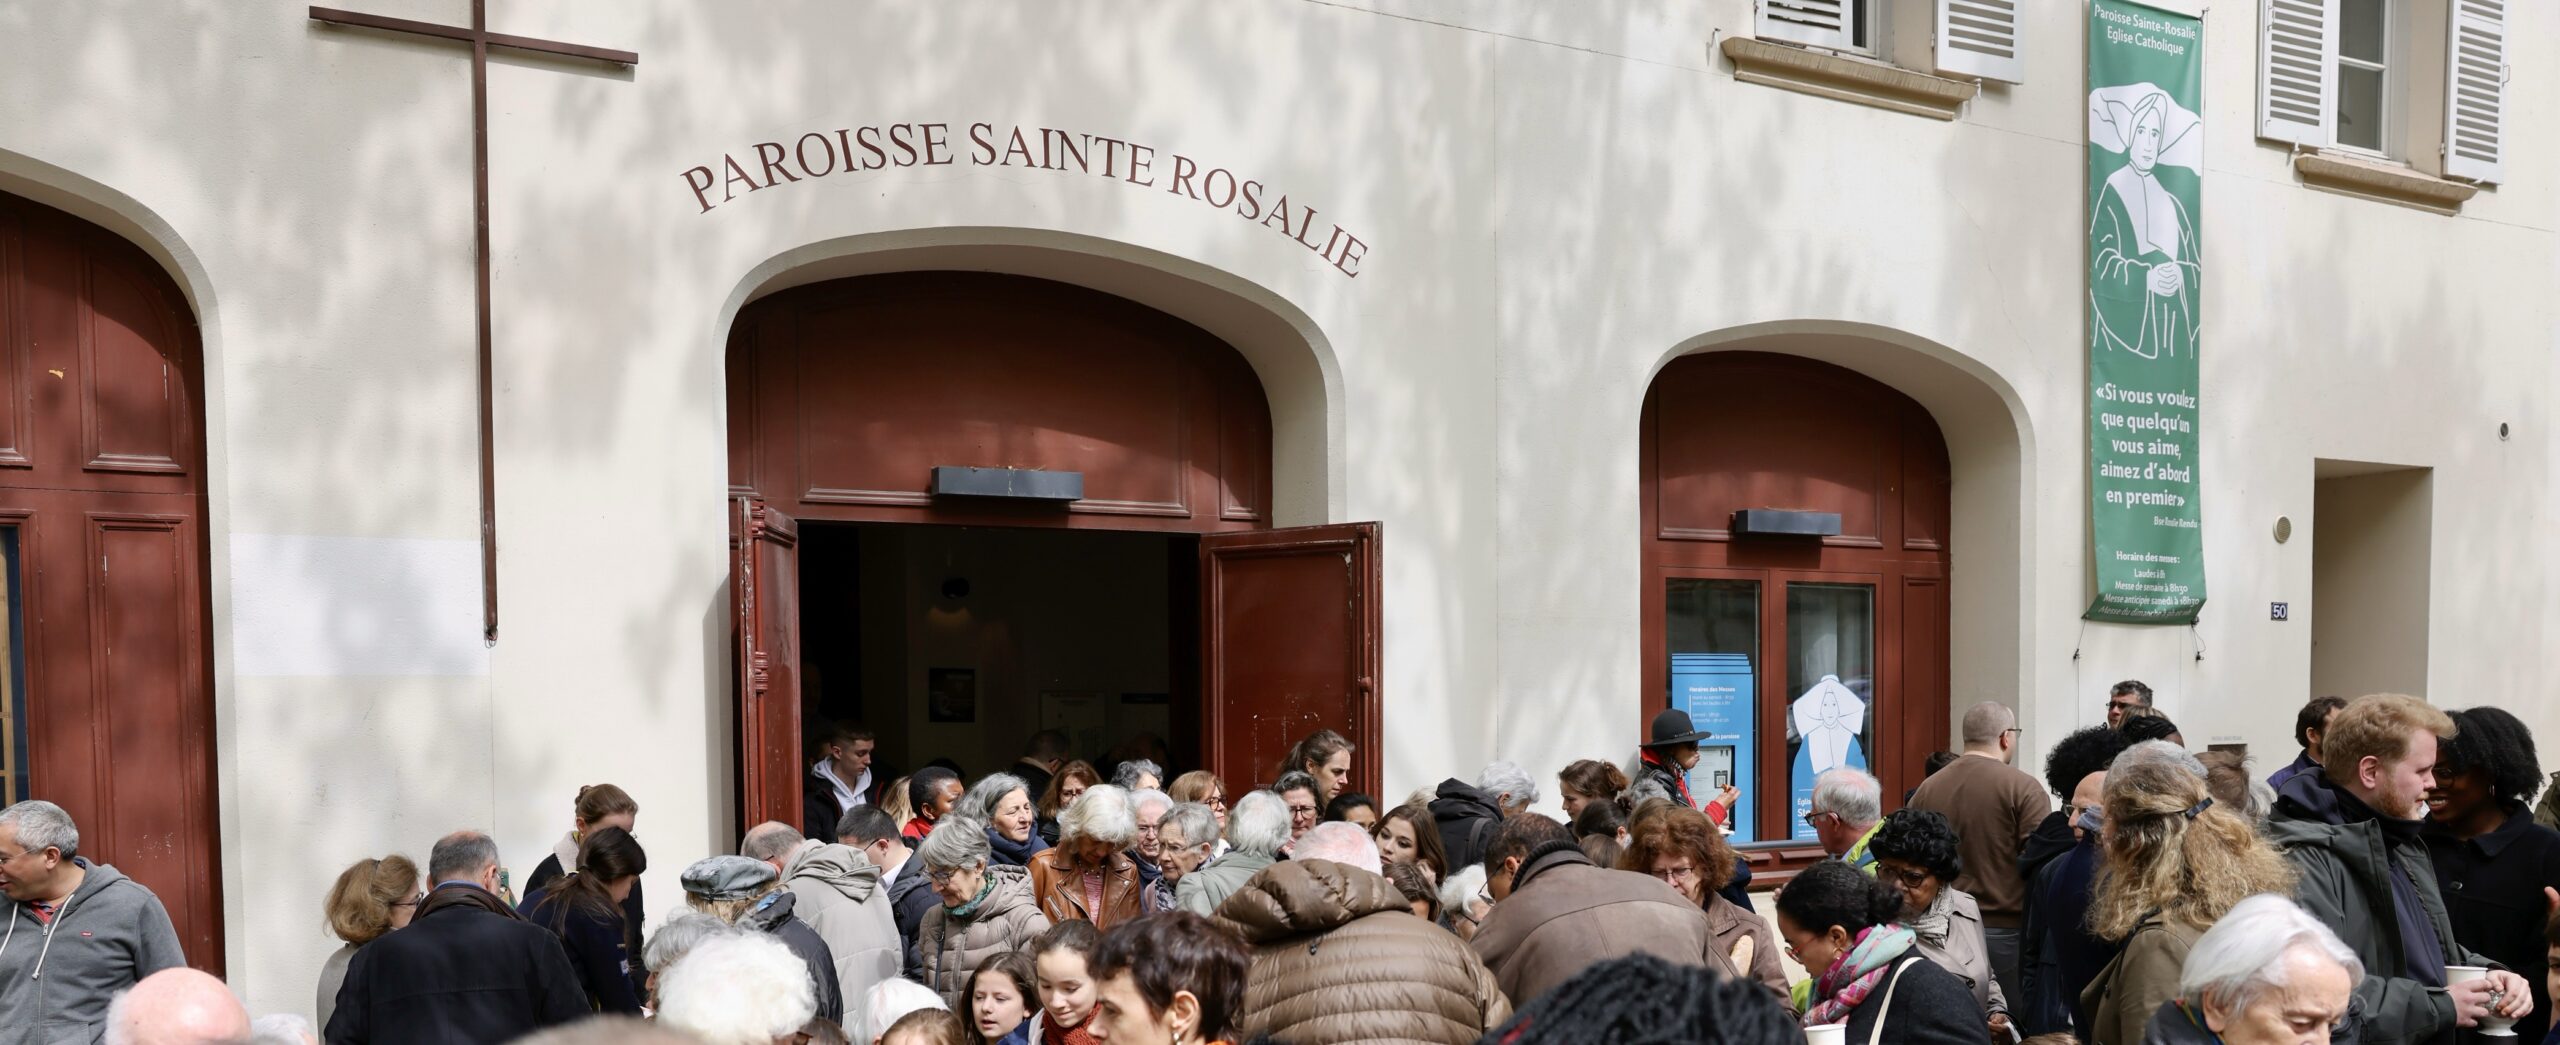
{"x":1672,"y":728}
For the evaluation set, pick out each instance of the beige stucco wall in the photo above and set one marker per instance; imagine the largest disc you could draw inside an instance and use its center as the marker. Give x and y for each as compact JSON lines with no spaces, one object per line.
{"x":1557,"y":199}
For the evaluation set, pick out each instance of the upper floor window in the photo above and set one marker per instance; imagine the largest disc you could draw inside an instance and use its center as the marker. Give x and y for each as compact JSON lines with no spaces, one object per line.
{"x":2421,"y":82}
{"x":1973,"y":39}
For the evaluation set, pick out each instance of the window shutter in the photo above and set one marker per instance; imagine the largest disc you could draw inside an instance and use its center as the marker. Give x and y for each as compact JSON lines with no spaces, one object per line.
{"x":1979,"y":38}
{"x":2475,"y":111}
{"x":1822,"y":23}
{"x":2293,"y":75}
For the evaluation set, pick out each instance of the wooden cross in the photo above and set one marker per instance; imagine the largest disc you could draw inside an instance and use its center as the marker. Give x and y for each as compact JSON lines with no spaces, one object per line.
{"x":481,"y":40}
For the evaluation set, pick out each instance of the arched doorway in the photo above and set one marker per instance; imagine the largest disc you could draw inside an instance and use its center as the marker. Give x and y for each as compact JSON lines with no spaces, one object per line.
{"x":106,"y":697}
{"x":971,"y":506}
{"x":1796,"y":558}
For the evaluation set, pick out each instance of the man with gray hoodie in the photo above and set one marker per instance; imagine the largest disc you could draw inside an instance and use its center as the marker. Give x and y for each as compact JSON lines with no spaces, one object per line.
{"x":78,"y":932}
{"x":837,"y":891}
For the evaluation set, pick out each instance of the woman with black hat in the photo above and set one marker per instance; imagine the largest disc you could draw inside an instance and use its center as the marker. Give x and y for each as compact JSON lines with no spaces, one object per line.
{"x":1664,"y":762}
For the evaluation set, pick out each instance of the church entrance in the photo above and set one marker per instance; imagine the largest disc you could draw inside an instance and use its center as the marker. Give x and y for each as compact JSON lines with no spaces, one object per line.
{"x":106,"y":685}
{"x":969,"y":507}
{"x":1795,"y":551}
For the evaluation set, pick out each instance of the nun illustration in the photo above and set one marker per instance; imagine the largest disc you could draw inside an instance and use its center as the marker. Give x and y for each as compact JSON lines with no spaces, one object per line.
{"x":2143,"y":272}
{"x":1826,"y":721}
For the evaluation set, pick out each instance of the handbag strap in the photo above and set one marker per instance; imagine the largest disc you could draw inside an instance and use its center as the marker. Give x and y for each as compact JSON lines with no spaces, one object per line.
{"x":1875,"y":1034}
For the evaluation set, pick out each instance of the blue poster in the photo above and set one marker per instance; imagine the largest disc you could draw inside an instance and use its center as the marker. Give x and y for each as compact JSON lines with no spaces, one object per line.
{"x":1716,"y":690}
{"x":1827,"y":725}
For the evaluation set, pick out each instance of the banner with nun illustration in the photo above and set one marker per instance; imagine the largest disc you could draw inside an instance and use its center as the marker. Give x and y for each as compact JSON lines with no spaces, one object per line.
{"x":2146,"y":154}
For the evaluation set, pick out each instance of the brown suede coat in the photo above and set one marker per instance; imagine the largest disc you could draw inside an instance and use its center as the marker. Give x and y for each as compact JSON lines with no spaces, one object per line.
{"x":1564,"y":914}
{"x":1339,"y":957}
{"x":1060,"y":890}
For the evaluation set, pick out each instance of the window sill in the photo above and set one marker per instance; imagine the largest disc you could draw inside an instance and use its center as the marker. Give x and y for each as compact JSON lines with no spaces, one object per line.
{"x":2384,"y":182}
{"x":1847,"y":79}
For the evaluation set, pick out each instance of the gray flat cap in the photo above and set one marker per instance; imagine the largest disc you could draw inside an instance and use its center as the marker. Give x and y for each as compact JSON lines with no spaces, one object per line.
{"x":727,"y":877}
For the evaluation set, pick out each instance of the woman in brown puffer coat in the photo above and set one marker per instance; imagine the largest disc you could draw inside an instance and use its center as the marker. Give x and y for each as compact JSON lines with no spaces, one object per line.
{"x":985,"y":910}
{"x":1339,"y":956}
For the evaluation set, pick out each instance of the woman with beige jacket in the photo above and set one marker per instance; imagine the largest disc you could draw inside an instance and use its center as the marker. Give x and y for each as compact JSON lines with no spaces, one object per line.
{"x":1682,"y":847}
{"x":2174,"y":863}
{"x":1915,"y":853}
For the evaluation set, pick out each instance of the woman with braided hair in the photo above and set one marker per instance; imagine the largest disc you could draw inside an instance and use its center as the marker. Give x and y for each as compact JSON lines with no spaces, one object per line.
{"x":1867,"y":968}
{"x":2175,"y":862}
{"x":1643,"y":1000}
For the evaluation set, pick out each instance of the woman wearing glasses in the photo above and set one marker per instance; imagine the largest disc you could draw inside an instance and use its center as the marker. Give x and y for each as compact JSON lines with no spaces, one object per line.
{"x":986,"y":909}
{"x":1867,"y":968}
{"x":370,"y":900}
{"x":1915,"y":853}
{"x":1680,"y":846}
{"x":1184,"y":838}
{"x":1203,"y":787}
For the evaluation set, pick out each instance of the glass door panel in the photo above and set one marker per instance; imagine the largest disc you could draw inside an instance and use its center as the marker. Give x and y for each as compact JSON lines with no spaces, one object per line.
{"x":1713,"y":630}
{"x":1830,"y":634}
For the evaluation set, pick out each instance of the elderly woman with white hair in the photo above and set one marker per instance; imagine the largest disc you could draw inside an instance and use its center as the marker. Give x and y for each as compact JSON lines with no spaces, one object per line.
{"x":1256,"y":829}
{"x":1089,"y":876}
{"x":737,"y":989}
{"x":2268,"y":973}
{"x":986,"y":908}
{"x":1184,"y":838}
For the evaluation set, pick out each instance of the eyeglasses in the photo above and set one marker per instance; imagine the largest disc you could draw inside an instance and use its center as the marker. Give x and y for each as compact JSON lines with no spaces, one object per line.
{"x":1150,"y":829}
{"x":1216,"y":801}
{"x":410,"y":901}
{"x":1677,"y":875}
{"x":1814,"y":819}
{"x":942,"y":877}
{"x":1911,"y":878}
{"x":2123,"y":705}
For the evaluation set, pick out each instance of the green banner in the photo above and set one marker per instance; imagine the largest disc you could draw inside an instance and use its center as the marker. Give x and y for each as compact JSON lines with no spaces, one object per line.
{"x":2146,"y":154}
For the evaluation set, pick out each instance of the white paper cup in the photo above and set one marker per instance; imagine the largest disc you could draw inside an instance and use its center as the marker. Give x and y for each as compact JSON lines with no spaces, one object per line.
{"x":1827,"y":1034}
{"x":2491,"y":1026}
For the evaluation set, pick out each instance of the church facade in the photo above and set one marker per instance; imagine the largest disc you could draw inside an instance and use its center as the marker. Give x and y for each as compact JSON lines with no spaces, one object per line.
{"x":1474,"y":379}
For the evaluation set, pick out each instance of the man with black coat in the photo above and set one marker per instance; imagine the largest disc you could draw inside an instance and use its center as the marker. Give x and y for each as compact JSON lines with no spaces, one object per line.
{"x":910,"y":892}
{"x":840,"y":781}
{"x":2058,"y":863}
{"x":467,"y":968}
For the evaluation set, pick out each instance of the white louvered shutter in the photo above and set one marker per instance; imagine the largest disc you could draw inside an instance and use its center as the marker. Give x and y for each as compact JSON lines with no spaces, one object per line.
{"x":1979,"y":38}
{"x":2475,"y":92}
{"x":2294,"y":51}
{"x":1822,"y":23}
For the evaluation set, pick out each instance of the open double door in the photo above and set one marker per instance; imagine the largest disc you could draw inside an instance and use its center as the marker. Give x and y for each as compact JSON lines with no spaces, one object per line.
{"x":1288,"y":645}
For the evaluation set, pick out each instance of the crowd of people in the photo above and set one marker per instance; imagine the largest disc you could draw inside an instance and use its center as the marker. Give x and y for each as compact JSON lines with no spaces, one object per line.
{"x":2391,"y":885}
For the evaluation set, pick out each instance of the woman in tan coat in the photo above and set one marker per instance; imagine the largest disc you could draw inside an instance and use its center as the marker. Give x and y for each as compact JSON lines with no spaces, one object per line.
{"x":1679,"y":845}
{"x":985,"y":909}
{"x":2174,"y":863}
{"x":1916,"y":855}
{"x":1089,"y":876}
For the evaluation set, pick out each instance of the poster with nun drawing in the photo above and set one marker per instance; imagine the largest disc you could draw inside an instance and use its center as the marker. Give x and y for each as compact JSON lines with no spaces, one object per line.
{"x":2145,"y":271}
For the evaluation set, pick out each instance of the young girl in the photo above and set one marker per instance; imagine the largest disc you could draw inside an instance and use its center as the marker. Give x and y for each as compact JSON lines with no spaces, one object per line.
{"x":1001,"y":996}
{"x":1062,"y":956}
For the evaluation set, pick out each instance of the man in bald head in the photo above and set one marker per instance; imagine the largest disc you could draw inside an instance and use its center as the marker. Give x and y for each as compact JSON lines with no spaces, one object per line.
{"x":177,"y":1007}
{"x":1994,"y":807}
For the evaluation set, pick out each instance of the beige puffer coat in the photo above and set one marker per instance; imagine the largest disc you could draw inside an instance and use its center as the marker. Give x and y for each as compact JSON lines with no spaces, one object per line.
{"x":1339,"y":957}
{"x":1007,"y":920}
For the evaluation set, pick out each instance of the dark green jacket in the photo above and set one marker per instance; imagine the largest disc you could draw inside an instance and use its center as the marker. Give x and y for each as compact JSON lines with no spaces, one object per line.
{"x":2344,"y":884}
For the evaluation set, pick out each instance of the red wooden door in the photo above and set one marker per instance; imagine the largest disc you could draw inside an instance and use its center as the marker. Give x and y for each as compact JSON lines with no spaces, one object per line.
{"x":101,"y":480}
{"x":766,"y":585}
{"x":1289,"y":645}
{"x":1866,"y":607}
